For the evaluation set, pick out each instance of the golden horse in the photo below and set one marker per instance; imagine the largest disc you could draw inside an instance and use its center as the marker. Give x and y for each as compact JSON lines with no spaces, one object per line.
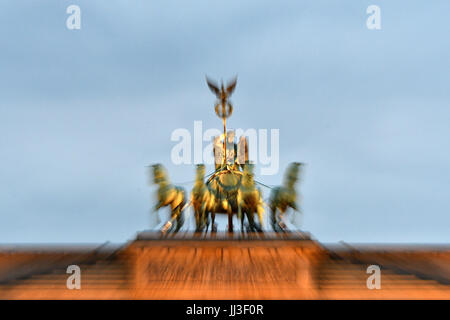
{"x":169,"y":195}
{"x":249,"y":201}
{"x":284,"y":197}
{"x":202,"y":200}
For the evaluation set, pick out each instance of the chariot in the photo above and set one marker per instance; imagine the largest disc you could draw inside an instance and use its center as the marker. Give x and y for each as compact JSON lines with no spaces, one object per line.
{"x":231,"y":188}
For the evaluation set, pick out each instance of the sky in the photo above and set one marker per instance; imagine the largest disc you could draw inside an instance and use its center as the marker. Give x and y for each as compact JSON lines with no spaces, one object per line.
{"x":84,"y":112}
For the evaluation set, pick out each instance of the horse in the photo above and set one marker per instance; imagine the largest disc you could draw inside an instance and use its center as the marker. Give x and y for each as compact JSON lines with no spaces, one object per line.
{"x":284,"y":197}
{"x":202,"y":200}
{"x":249,"y":200}
{"x":169,"y":195}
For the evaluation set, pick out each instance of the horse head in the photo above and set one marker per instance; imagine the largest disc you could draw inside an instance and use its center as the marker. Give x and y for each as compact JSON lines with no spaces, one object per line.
{"x":248,"y":174}
{"x":200,"y":173}
{"x":159,"y":174}
{"x":292,"y":173}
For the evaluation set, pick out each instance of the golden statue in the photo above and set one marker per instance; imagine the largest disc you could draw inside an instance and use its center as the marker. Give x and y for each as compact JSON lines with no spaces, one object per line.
{"x":231,"y":188}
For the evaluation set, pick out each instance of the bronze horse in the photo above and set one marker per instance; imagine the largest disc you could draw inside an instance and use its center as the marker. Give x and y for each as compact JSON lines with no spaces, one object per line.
{"x":202,"y":200}
{"x":249,"y":200}
{"x":169,"y":195}
{"x":284,"y":197}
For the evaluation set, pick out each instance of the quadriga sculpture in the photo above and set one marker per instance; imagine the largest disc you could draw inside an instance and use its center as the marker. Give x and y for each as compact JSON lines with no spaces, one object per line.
{"x":231,"y":188}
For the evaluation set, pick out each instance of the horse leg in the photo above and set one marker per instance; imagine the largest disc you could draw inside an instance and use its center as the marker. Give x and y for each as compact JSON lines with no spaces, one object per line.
{"x":249,"y":226}
{"x":241,"y":216}
{"x":251,"y":218}
{"x":258,"y":227}
{"x":168,"y":226}
{"x":273,"y":218}
{"x":180,"y":217}
{"x":260,"y":213}
{"x":207,"y":222}
{"x":154,"y":217}
{"x":201,"y":219}
{"x":213,"y":218}
{"x":230,"y":219}
{"x":197,"y":219}
{"x":281,"y":223}
{"x":207,"y":219}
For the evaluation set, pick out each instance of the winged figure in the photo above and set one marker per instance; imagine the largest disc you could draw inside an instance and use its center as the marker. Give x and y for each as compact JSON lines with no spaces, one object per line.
{"x":223,"y":93}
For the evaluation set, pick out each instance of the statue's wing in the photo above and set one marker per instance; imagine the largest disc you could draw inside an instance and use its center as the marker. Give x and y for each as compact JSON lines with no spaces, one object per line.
{"x":213,"y":86}
{"x":231,"y":86}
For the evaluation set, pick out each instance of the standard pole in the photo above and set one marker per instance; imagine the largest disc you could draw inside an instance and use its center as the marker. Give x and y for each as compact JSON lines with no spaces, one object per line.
{"x":224,"y":135}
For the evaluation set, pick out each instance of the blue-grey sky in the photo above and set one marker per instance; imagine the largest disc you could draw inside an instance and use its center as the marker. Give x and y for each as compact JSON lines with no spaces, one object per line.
{"x":83,"y":112}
